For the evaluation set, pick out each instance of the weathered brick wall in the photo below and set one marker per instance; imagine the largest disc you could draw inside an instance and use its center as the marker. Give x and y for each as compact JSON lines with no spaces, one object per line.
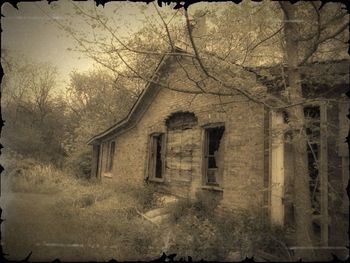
{"x":243,"y":141}
{"x":243,"y":157}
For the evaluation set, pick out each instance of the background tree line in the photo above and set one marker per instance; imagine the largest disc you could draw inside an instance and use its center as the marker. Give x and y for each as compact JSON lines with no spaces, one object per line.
{"x":51,"y":124}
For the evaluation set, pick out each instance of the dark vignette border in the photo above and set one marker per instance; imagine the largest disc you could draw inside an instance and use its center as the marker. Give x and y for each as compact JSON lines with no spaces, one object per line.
{"x":179,"y":4}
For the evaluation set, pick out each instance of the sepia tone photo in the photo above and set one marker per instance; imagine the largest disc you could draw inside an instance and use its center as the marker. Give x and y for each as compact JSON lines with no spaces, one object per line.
{"x":152,"y":131}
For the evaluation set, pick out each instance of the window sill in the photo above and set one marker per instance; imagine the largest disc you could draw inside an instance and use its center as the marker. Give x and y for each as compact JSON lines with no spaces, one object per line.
{"x":156,"y":180}
{"x":212,"y":188}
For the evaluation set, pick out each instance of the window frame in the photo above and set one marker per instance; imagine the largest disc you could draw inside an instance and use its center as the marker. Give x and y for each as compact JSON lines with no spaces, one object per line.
{"x":110,"y":156}
{"x":205,"y":159}
{"x":152,"y":161}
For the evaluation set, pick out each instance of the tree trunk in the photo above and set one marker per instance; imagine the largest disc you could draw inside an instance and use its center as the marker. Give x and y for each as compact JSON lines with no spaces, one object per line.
{"x":302,"y":199}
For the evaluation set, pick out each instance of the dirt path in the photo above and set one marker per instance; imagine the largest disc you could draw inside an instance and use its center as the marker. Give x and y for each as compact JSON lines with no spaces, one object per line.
{"x":31,"y":226}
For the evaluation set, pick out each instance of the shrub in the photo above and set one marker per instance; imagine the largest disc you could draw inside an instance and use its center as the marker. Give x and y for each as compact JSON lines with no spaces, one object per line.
{"x":146,"y":196}
{"x":196,"y":233}
{"x":28,"y":175}
{"x":201,"y":232}
{"x":80,"y":164}
{"x":143,"y":195}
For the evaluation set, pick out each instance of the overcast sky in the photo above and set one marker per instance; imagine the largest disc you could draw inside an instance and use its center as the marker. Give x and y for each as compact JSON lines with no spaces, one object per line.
{"x":31,"y":31}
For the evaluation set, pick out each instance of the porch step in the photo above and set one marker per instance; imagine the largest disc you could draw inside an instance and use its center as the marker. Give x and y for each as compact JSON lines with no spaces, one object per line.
{"x":161,"y":214}
{"x":157,"y":212}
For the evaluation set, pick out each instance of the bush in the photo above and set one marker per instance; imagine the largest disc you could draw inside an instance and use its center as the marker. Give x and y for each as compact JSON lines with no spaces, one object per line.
{"x":247,"y":231}
{"x":202,"y":233}
{"x":80,"y":164}
{"x":37,"y":178}
{"x":196,"y":233}
{"x":28,"y":175}
{"x":146,"y":196}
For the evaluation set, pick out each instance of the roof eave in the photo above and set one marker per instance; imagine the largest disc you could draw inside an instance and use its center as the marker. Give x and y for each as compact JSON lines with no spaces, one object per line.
{"x":121,"y":124}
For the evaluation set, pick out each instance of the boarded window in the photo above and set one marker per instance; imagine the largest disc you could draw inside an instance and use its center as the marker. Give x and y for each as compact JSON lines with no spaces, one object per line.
{"x":213,"y":155}
{"x":156,"y":158}
{"x":110,"y":157}
{"x":181,"y":121}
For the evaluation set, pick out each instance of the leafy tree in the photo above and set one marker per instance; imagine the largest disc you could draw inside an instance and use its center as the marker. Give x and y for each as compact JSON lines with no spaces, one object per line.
{"x":33,"y":114}
{"x":96,"y":101}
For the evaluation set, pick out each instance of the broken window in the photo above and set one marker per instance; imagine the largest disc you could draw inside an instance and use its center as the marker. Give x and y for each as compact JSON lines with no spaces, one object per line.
{"x":156,"y":160}
{"x":110,"y":156}
{"x":313,"y":132}
{"x":213,"y":155}
{"x":312,"y":121}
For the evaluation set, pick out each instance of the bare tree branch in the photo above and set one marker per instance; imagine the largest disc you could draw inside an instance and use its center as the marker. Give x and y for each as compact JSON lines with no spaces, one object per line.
{"x":249,"y":50}
{"x":322,"y":40}
{"x":166,"y":27}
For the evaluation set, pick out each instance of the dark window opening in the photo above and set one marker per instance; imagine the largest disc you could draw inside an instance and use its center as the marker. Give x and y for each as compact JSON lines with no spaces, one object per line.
{"x":285,"y":116}
{"x":110,"y":156}
{"x":158,"y":173}
{"x":312,"y":127}
{"x":156,"y":162}
{"x":212,"y":154}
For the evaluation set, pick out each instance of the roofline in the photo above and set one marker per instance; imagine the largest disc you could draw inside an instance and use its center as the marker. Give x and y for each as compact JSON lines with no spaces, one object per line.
{"x":124,"y":121}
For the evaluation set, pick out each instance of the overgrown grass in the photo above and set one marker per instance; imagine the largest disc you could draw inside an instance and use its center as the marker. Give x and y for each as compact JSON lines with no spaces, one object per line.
{"x":106,"y":215}
{"x":27,"y":175}
{"x":97,"y":214}
{"x":203,"y":233}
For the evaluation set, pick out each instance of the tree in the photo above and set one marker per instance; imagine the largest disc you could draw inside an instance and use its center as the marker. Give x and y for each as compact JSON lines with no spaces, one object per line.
{"x":297,"y":55}
{"x":96,"y":102}
{"x":33,"y":114}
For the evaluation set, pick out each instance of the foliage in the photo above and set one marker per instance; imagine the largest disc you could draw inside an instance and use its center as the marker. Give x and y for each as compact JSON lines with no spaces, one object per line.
{"x":34,"y":115}
{"x":144,"y":195}
{"x":96,"y":102}
{"x":106,"y":217}
{"x":43,"y":125}
{"x":27,"y":175}
{"x":200,"y":231}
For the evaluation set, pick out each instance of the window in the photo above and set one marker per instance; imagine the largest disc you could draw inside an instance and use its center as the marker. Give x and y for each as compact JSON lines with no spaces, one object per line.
{"x":110,"y":156}
{"x":156,"y":157}
{"x":213,"y":155}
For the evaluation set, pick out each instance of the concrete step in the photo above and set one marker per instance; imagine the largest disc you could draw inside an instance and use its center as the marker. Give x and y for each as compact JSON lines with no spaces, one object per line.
{"x":156,"y":212}
{"x":160,"y":219}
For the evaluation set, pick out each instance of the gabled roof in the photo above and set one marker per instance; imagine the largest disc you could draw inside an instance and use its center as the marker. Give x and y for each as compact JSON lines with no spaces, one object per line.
{"x":151,"y":90}
{"x":143,"y":102}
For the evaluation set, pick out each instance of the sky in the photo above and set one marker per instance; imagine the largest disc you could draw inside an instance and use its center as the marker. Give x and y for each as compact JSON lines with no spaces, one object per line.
{"x":32,"y":31}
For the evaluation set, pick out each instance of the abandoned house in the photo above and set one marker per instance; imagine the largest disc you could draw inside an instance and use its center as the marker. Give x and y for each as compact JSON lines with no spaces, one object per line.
{"x":233,"y":147}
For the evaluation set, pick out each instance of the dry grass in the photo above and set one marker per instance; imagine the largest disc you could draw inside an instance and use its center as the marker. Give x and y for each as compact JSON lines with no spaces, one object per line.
{"x":103,"y":215}
{"x":94,"y":213}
